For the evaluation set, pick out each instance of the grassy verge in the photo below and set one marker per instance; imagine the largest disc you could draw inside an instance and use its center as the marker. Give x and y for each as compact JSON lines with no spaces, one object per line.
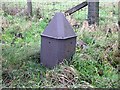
{"x":92,"y":65}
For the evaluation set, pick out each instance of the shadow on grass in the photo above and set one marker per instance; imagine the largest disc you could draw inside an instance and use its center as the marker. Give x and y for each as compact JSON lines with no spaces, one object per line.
{"x":35,"y":57}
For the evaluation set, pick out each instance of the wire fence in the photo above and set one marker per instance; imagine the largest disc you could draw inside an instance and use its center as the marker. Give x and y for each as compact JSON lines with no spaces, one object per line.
{"x":45,"y":8}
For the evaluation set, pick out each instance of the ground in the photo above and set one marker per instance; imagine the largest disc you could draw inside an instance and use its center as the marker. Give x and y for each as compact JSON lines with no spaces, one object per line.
{"x":93,"y":65}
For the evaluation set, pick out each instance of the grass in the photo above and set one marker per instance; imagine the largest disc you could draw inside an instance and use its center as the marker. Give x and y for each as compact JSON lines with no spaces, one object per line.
{"x":92,"y":66}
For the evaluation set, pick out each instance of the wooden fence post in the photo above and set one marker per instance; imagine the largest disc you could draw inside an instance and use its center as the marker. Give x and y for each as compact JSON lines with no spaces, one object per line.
{"x":93,"y":12}
{"x":29,"y":7}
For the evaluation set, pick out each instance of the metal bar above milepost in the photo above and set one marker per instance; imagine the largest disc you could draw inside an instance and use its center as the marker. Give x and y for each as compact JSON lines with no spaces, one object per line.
{"x":76,"y":8}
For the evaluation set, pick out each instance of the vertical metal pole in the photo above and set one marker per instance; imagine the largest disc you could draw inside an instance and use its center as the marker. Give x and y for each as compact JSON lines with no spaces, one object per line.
{"x":93,"y":12}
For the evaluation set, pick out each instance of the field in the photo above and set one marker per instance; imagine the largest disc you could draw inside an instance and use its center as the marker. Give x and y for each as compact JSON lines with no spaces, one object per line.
{"x":94,"y":65}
